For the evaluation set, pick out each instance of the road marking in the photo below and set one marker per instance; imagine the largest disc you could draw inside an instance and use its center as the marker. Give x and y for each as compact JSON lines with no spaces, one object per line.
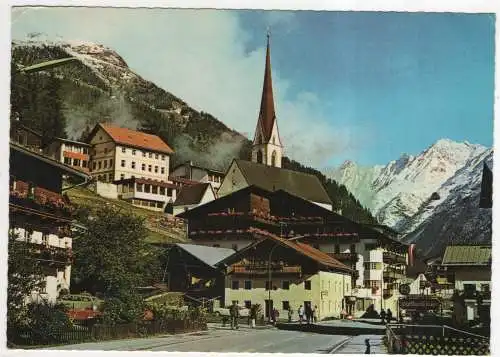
{"x":339,"y":345}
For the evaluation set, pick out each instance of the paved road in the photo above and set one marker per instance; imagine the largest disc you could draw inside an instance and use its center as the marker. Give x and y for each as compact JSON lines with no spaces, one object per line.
{"x":218,"y":339}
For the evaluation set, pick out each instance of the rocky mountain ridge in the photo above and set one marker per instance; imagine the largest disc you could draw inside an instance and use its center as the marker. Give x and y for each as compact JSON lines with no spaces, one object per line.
{"x":434,"y":194}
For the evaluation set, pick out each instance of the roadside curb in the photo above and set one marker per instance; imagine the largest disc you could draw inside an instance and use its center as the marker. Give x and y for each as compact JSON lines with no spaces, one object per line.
{"x":339,"y":345}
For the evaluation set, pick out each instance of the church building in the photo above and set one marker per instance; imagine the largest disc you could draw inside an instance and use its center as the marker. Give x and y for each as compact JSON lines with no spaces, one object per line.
{"x":265,"y":168}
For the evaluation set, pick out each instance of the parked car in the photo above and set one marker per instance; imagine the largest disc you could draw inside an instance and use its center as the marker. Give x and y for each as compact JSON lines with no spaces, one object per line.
{"x":224,"y":311}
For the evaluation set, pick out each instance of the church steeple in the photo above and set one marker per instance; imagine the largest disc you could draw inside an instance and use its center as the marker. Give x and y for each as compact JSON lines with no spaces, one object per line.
{"x":267,"y":147}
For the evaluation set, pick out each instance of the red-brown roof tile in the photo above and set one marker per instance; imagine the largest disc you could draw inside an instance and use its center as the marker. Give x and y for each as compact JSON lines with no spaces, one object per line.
{"x":136,"y":139}
{"x":306,"y":250}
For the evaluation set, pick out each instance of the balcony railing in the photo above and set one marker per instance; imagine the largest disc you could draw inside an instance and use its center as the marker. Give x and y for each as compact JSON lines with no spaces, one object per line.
{"x":391,"y":257}
{"x":21,"y":193}
{"x":49,"y":254}
{"x":263,"y":269}
{"x":473,"y":295}
{"x":345,"y":257}
{"x":393,"y":275}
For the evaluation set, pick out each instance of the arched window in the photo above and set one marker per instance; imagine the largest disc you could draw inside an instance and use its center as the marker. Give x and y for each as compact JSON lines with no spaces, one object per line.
{"x":273,"y":158}
{"x":259,"y":157}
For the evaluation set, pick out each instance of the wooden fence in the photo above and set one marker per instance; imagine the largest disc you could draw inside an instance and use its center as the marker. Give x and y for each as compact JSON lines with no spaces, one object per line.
{"x":78,"y":334}
{"x":435,"y":340}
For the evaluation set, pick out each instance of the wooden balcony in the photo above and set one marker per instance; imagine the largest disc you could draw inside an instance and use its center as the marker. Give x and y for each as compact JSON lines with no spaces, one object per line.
{"x":38,"y":198}
{"x":345,"y":257}
{"x":50,"y":255}
{"x":263,"y":269}
{"x":393,"y":258}
{"x":393,"y":274}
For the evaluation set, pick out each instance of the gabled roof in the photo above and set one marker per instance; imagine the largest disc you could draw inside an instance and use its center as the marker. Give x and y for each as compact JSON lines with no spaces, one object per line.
{"x":272,"y":178}
{"x":19,"y":125}
{"x":208,"y":255}
{"x":190,"y":164}
{"x":301,"y":248}
{"x":192,"y":195}
{"x":471,"y":255}
{"x":71,"y":141}
{"x":134,"y":138}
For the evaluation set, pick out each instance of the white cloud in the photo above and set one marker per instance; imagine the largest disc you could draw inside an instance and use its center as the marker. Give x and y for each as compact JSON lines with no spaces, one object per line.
{"x":199,"y":55}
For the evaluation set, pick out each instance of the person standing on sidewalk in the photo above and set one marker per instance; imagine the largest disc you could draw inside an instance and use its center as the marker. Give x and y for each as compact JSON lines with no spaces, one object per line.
{"x":382,"y":315}
{"x":315,"y":314}
{"x":290,"y":313}
{"x":389,"y":316}
{"x":368,"y":347}
{"x":301,"y":314}
{"x":234,"y":312}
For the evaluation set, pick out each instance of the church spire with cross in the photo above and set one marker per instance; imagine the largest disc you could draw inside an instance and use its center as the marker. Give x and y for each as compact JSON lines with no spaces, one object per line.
{"x":267,"y":148}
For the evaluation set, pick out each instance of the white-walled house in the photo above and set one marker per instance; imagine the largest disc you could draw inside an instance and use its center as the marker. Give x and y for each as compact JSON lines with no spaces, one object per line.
{"x":70,"y":152}
{"x":120,"y":153}
{"x":41,"y":217}
{"x":300,"y":275}
{"x":470,"y":266}
{"x":193,"y":196}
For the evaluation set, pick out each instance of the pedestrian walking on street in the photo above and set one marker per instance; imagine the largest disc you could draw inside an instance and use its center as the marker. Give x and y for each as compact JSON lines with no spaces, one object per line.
{"x":234,"y":314}
{"x":389,"y":316}
{"x":368,"y":347}
{"x":290,"y":313}
{"x":301,"y":314}
{"x":308,"y":314}
{"x":382,"y":315}
{"x":276,"y":316}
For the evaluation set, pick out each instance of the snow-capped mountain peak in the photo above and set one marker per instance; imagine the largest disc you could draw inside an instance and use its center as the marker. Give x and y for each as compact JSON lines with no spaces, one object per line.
{"x":396,"y":191}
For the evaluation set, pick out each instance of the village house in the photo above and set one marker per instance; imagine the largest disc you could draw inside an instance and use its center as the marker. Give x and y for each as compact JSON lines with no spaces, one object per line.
{"x":470,"y":267}
{"x":70,"y":152}
{"x":378,"y":261}
{"x":41,"y":216}
{"x":192,"y":196}
{"x":283,"y":274}
{"x":198,"y":174}
{"x":120,"y":153}
{"x":192,"y":269}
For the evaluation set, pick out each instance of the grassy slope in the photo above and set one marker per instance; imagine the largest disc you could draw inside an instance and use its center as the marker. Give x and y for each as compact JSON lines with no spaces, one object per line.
{"x":85,"y":197}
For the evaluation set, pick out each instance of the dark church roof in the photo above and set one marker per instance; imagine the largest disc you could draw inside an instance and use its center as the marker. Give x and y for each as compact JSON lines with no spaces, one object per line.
{"x":296,"y":183}
{"x":191,"y":195}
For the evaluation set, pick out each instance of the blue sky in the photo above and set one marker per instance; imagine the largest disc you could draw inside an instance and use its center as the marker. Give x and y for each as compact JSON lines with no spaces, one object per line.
{"x":360,"y":86}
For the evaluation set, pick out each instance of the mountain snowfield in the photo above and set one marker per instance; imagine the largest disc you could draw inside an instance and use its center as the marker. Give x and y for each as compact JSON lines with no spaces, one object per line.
{"x":426,"y":196}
